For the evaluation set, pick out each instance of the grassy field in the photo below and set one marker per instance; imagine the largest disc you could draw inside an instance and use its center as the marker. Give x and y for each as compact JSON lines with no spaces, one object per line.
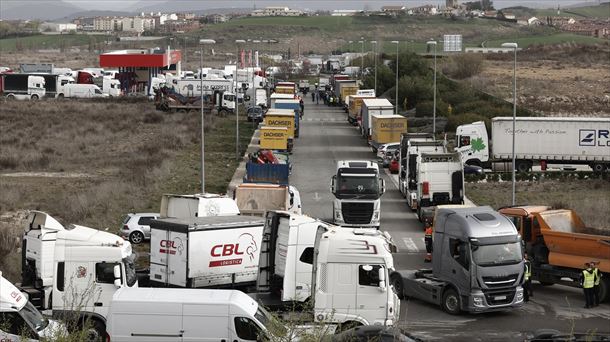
{"x":557,"y":38}
{"x":600,"y":11}
{"x":590,"y":198}
{"x":49,"y":41}
{"x":92,"y":162}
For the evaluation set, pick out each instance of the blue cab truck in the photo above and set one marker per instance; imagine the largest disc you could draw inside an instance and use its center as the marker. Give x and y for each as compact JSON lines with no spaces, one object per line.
{"x":294,"y":105}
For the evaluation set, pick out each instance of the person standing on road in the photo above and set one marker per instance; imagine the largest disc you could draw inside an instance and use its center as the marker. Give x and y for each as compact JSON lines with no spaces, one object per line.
{"x":587,"y":280}
{"x":428,"y":240}
{"x":527,"y":283}
{"x":597,"y":278}
{"x":302,"y":105}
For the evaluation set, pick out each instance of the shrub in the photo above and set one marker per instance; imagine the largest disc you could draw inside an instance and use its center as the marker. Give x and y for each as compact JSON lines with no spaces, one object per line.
{"x":465,"y":65}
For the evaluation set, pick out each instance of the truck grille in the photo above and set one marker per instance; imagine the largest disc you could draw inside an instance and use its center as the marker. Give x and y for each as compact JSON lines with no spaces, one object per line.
{"x":500,"y":297}
{"x":357,"y":213}
{"x":503,"y":281}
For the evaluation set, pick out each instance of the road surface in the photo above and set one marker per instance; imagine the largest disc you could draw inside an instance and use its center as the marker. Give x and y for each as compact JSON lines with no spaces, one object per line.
{"x":325,"y":138}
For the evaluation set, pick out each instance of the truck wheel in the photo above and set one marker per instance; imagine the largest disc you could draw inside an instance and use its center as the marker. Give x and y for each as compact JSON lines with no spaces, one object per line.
{"x":136,"y":237}
{"x":10,"y":96}
{"x":523,"y":166}
{"x":598,"y":167}
{"x":60,"y":96}
{"x":398,"y":287}
{"x":34,"y":97}
{"x":95,"y":332}
{"x":451,"y":302}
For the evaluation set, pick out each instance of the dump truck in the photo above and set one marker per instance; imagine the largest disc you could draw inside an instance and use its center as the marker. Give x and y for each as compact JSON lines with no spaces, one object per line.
{"x":559,"y":244}
{"x":386,"y":129}
{"x":258,"y":198}
{"x":538,"y":140}
{"x":477,"y":264}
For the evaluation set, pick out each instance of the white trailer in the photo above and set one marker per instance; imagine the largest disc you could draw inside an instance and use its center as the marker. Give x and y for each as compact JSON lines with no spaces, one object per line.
{"x":440,"y":180}
{"x":538,"y":140}
{"x":370,"y":107}
{"x":74,"y":271}
{"x":197,"y":205}
{"x":256,"y":198}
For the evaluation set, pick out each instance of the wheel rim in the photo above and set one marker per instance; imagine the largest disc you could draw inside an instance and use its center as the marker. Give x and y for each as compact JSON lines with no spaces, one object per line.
{"x":451,"y":302}
{"x":136,"y":237}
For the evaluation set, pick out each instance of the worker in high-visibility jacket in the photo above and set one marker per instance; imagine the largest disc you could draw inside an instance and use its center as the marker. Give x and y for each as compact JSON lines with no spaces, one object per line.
{"x":428,"y":241}
{"x":587,"y":280}
{"x":597,"y":279}
{"x":527,"y":279}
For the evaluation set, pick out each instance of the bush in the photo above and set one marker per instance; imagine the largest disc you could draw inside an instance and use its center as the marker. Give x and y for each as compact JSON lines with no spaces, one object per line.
{"x":464,"y":65}
{"x":426,"y":108}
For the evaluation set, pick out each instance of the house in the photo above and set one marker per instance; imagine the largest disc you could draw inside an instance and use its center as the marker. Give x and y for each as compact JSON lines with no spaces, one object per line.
{"x":276,"y":12}
{"x":506,"y":15}
{"x":57,"y":27}
{"x":424,"y":10}
{"x":393,"y":9}
{"x":217,"y":18}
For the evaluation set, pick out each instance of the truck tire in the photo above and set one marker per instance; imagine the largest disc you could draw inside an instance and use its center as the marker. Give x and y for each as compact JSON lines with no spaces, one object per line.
{"x":60,"y":96}
{"x":451,"y":301}
{"x":604,"y":288}
{"x":95,"y":331}
{"x":523,"y":166}
{"x":398,"y":286}
{"x":598,"y":167}
{"x":10,"y":96}
{"x":34,"y":97}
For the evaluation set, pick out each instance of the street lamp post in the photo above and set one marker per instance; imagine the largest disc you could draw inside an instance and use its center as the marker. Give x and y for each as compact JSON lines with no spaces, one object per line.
{"x":514,"y":47}
{"x":237,"y":42}
{"x":202,"y":42}
{"x":433,"y":42}
{"x":362,"y":58}
{"x":374,"y":42}
{"x":397,"y":43}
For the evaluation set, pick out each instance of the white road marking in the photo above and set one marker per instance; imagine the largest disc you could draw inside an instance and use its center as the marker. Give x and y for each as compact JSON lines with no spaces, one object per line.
{"x":316,"y":197}
{"x":394,"y":178}
{"x":410,"y":245}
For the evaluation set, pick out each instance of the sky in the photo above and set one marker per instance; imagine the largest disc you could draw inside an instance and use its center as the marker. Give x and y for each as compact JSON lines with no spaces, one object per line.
{"x":311,"y":4}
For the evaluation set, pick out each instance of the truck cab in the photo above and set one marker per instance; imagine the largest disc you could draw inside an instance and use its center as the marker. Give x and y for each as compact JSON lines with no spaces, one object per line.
{"x":357,"y":187}
{"x":472,"y":143}
{"x":74,"y":270}
{"x":409,"y":178}
{"x":477,"y":263}
{"x":440,"y":180}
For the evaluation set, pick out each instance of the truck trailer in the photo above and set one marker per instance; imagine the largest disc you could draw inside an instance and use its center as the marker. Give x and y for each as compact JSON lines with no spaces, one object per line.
{"x":538,"y":140}
{"x":386,"y":129}
{"x":258,"y":198}
{"x":477,"y":264}
{"x":372,"y":107}
{"x":22,"y":86}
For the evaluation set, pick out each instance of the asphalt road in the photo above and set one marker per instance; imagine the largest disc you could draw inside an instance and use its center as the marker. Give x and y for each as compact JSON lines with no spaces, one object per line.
{"x":325,"y":138}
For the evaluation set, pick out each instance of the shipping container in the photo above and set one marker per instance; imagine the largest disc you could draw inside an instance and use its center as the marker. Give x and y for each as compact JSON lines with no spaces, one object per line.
{"x":387,"y":129}
{"x":273,"y":138}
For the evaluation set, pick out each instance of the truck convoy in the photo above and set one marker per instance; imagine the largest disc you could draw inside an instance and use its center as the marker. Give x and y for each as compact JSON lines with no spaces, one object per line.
{"x":22,"y":86}
{"x":477,"y":264}
{"x":293,"y":105}
{"x":20,"y":319}
{"x":357,"y":187}
{"x":74,"y":270}
{"x":538,"y":140}
{"x":559,"y":244}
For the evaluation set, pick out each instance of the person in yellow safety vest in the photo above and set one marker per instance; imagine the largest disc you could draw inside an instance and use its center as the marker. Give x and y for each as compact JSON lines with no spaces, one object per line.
{"x":597,"y":279}
{"x":587,"y":280}
{"x":428,"y":240}
{"x":527,"y":280}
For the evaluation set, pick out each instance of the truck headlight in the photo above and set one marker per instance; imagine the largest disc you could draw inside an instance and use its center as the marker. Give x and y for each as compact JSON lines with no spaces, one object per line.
{"x":519,"y":295}
{"x":477,"y":301}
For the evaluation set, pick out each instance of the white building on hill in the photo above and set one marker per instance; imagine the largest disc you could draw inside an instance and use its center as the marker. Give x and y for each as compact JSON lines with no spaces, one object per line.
{"x":276,"y":12}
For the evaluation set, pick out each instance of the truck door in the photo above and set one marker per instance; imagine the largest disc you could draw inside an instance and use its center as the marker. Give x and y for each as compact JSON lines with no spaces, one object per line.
{"x":341,"y":282}
{"x":209,"y":322}
{"x":368,"y":296}
{"x":457,"y":268}
{"x":168,"y":257}
{"x":104,"y":286}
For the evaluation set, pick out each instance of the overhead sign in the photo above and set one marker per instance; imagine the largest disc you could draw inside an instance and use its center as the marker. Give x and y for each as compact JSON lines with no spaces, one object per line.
{"x":452,"y":43}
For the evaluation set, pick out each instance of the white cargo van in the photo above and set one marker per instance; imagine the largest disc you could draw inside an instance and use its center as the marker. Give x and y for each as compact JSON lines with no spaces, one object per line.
{"x":155,"y":314}
{"x":83,"y":90}
{"x":19,"y":318}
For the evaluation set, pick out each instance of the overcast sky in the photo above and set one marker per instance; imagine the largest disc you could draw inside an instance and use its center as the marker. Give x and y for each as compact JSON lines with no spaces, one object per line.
{"x":312,"y":4}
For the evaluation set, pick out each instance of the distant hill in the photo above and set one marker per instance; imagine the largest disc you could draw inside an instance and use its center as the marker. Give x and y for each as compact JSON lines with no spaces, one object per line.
{"x":596,"y":11}
{"x":37,"y":9}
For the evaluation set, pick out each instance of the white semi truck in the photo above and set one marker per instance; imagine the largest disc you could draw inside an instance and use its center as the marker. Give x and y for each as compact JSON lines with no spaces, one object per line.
{"x":74,"y":270}
{"x":538,"y":140}
{"x":477,"y":264}
{"x":357,"y":187}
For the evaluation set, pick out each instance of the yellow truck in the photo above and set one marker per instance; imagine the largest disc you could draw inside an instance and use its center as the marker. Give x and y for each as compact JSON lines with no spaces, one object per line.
{"x":345,"y":92}
{"x":387,"y":129}
{"x":355,"y":102}
{"x":284,"y":90}
{"x":274,"y":138}
{"x":281,"y":118}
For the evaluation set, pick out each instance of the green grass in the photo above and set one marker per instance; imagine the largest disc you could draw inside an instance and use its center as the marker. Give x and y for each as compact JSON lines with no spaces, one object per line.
{"x":557,"y":38}
{"x":49,"y":41}
{"x":326,"y":23}
{"x":601,"y":11}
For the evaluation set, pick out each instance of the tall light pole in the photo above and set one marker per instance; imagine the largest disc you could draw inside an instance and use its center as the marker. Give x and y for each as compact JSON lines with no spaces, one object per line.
{"x":433,"y":43}
{"x":374,"y":42}
{"x":202,"y":42}
{"x":362,"y":58}
{"x":350,"y":45}
{"x":397,"y":43}
{"x":237,"y":42}
{"x":514,"y":47}
{"x":185,"y":52}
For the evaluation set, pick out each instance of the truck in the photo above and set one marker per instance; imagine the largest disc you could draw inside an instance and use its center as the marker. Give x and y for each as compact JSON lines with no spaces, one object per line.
{"x":193,"y":87}
{"x":370,"y":107}
{"x":386,"y":129}
{"x":197,"y":205}
{"x":346,"y":91}
{"x":279,"y":96}
{"x":357,"y":187}
{"x":286,"y":117}
{"x":20,"y":318}
{"x":260,"y":97}
{"x":559,"y":244}
{"x":538,"y":140}
{"x":477,"y":264}
{"x":109,"y":86}
{"x":440,"y":180}
{"x":271,"y":173}
{"x":342,"y":272}
{"x":273,"y":138}
{"x":22,"y":86}
{"x":304,"y":86}
{"x":295,"y":106}
{"x":74,"y":271}
{"x":55,"y":84}
{"x":403,"y":157}
{"x":342,"y":88}
{"x":168,"y":100}
{"x":258,"y":198}
{"x":355,"y":105}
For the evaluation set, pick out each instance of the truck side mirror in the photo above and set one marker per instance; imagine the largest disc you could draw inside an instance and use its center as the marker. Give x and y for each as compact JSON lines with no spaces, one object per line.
{"x":382,"y":185}
{"x":382,"y":286}
{"x":332,"y":184}
{"x":117,"y":276}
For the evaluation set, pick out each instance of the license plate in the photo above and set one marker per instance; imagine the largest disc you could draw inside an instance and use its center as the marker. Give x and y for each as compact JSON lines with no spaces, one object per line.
{"x":500,"y":297}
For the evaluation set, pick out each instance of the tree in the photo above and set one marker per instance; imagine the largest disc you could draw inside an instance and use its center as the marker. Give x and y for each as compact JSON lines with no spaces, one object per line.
{"x":483,"y":5}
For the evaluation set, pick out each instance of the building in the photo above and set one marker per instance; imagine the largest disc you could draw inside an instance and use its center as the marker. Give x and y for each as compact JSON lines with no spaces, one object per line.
{"x":451,"y":3}
{"x":106,"y":23}
{"x":276,"y":12}
{"x":180,"y":25}
{"x":186,"y":16}
{"x":57,"y":27}
{"x":216,"y":18}
{"x":393,"y":9}
{"x":424,"y":10}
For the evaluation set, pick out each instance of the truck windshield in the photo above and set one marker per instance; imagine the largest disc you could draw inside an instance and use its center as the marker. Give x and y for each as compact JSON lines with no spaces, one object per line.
{"x":497,"y":254}
{"x":357,"y":184}
{"x":33,"y":317}
{"x":130,"y":269}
